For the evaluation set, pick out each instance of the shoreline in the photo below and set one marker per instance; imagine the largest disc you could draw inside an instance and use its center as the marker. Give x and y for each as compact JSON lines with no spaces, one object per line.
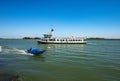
{"x":39,"y":39}
{"x":17,"y":39}
{"x":103,"y":38}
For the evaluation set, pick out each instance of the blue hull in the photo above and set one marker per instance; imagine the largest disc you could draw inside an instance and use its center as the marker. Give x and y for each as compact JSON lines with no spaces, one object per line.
{"x":35,"y":51}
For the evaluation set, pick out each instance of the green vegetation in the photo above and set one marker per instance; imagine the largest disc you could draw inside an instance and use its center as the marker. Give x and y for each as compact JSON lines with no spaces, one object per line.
{"x":31,"y":38}
{"x":96,"y":38}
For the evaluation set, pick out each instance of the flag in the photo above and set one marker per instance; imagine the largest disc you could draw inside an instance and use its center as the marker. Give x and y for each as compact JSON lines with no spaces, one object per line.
{"x":52,"y":30}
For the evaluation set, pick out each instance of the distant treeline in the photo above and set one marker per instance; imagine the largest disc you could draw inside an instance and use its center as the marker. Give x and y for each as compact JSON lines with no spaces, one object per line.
{"x":37,"y":38}
{"x":21,"y":38}
{"x":96,"y":38}
{"x":102,"y":39}
{"x":31,"y":38}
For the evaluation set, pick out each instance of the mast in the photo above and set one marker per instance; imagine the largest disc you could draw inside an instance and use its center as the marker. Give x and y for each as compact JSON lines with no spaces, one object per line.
{"x":49,"y":35}
{"x":51,"y":31}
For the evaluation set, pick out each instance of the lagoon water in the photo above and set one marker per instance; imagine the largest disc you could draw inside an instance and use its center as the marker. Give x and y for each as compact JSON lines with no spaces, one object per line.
{"x":98,"y":60}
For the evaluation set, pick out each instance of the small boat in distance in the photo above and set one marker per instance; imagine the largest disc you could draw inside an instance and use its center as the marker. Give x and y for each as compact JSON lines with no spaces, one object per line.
{"x":48,"y":39}
{"x":0,"y":48}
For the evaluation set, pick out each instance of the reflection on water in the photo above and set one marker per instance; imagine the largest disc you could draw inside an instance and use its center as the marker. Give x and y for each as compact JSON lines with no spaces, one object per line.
{"x":62,"y":46}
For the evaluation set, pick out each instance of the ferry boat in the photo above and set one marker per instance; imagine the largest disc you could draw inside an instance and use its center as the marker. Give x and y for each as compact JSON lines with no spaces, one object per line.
{"x":48,"y":39}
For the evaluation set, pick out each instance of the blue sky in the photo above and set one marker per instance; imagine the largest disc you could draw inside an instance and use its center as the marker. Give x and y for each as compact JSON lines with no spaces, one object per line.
{"x":33,"y":18}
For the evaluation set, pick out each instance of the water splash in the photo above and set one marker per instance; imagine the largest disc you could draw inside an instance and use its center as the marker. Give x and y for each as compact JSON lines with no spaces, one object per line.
{"x":17,"y":51}
{"x":0,"y":48}
{"x":9,"y":50}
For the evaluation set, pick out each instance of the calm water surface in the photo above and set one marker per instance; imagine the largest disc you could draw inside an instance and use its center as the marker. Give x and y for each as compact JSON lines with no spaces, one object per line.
{"x":99,"y":60}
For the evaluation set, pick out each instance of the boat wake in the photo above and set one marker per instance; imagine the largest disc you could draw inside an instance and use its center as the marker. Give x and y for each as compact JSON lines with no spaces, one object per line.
{"x":9,"y":50}
{"x":17,"y":51}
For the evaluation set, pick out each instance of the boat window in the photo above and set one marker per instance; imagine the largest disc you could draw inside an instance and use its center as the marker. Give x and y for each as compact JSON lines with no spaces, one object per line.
{"x":52,"y":40}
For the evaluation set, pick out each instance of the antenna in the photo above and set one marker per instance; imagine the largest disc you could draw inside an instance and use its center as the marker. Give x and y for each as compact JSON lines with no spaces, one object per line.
{"x":51,"y":30}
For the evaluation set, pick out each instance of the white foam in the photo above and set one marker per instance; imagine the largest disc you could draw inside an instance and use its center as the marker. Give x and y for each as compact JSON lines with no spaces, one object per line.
{"x":17,"y":51}
{"x":0,"y":48}
{"x":14,"y":51}
{"x":23,"y":52}
{"x":48,"y":47}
